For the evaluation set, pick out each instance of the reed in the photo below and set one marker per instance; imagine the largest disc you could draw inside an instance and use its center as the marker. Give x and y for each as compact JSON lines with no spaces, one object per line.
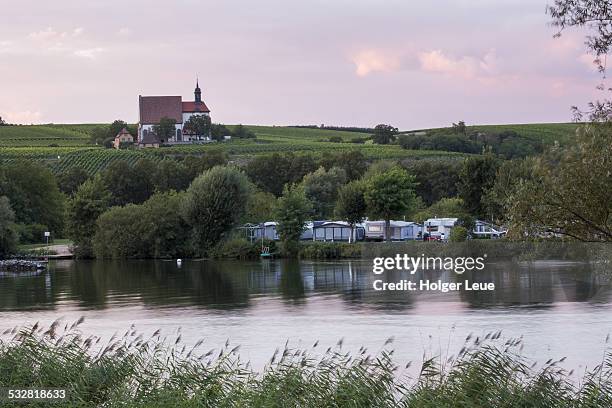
{"x":134,"y":370}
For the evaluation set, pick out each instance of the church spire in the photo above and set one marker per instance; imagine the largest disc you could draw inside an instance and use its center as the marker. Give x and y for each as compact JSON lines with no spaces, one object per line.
{"x":198,"y":92}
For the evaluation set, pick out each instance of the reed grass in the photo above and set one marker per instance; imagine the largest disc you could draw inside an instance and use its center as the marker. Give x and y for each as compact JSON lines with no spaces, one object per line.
{"x":133,"y":370}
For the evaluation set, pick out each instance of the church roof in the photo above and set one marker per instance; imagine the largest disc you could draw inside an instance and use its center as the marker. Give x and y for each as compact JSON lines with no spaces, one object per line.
{"x":193,"y":107}
{"x":153,"y":108}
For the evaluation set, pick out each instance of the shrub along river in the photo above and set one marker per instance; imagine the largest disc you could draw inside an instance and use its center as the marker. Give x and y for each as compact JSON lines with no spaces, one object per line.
{"x":560,"y":308}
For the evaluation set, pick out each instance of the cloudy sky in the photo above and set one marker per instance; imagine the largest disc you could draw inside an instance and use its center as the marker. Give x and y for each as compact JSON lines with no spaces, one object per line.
{"x":413,"y":64}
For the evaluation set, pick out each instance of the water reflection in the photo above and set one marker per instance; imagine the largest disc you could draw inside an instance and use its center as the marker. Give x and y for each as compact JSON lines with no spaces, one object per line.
{"x":236,"y":285}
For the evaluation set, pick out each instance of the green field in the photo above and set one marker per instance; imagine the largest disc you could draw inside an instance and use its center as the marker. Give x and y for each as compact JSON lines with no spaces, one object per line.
{"x":64,"y":146}
{"x":548,"y":133}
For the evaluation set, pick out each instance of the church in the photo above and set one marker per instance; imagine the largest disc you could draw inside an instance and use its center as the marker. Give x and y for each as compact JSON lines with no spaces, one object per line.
{"x":153,"y":108}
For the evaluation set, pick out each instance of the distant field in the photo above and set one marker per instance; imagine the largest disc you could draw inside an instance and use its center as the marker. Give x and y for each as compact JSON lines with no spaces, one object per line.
{"x":64,"y":146}
{"x":548,"y":133}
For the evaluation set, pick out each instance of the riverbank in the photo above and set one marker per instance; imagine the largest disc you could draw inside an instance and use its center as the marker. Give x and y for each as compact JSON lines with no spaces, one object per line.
{"x":147,"y":371}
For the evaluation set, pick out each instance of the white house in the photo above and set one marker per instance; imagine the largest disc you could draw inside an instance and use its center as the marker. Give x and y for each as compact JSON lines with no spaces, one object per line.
{"x":153,"y":108}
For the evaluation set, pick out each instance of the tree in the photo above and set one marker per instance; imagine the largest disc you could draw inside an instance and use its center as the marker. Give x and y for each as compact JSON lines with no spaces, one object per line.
{"x":91,"y":199}
{"x":390,"y":194}
{"x":8,"y":232}
{"x":218,"y":131}
{"x":460,"y":128}
{"x":509,"y":175}
{"x":477,"y":176}
{"x":196,"y":165}
{"x":435,"y":179}
{"x":3,"y":122}
{"x":353,"y":162}
{"x":157,"y":232}
{"x":321,"y":188}
{"x":242,"y":132}
{"x":260,"y":206}
{"x":198,"y":125}
{"x":214,"y":203}
{"x":165,"y":129}
{"x":71,"y":179}
{"x":351,"y":205}
{"x":34,"y":195}
{"x":568,"y":192}
{"x":384,"y":134}
{"x":596,"y":15}
{"x":171,"y":175}
{"x":292,"y":211}
{"x":116,"y":127}
{"x":445,"y":207}
{"x":271,"y":172}
{"x":129,"y":184}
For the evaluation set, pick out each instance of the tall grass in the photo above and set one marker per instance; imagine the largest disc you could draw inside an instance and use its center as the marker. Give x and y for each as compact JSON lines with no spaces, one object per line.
{"x":132,"y":370}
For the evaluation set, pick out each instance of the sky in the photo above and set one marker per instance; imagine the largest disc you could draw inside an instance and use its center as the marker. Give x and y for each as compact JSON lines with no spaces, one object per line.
{"x":411,"y":64}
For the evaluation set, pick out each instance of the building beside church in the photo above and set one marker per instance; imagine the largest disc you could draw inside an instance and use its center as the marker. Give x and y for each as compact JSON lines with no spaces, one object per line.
{"x":153,"y":108}
{"x":123,"y":137}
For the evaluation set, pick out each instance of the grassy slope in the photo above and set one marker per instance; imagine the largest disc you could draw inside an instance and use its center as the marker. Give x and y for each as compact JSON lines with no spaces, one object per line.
{"x":546,"y":132}
{"x":63,"y":146}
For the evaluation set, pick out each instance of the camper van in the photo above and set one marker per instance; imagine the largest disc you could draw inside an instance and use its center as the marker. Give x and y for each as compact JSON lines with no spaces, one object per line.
{"x":439,"y":229}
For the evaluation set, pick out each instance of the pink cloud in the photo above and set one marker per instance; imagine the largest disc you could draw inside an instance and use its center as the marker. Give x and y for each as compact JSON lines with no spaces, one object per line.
{"x":372,"y":60}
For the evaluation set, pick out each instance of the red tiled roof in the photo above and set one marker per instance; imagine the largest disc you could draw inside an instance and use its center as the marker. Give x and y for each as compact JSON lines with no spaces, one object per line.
{"x":153,"y":108}
{"x":193,"y":107}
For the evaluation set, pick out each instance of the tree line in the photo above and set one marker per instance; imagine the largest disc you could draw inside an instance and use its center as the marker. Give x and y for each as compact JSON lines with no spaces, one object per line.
{"x":185,"y":206}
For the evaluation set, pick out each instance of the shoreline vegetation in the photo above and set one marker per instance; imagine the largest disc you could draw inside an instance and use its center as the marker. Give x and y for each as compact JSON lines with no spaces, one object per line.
{"x":159,"y":370}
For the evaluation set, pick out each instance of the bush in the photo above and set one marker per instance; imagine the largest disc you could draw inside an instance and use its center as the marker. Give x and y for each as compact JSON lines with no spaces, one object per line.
{"x":330,"y":250}
{"x":336,"y":139}
{"x":141,"y":371}
{"x":458,"y":234}
{"x":31,"y":233}
{"x":241,"y":248}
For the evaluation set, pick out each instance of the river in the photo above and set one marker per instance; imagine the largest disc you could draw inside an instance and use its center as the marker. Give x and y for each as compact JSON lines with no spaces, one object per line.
{"x":560,"y":308}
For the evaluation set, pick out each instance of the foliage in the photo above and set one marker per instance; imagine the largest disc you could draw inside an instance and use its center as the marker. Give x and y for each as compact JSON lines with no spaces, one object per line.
{"x":476,"y":177}
{"x":509,"y":176}
{"x":241,"y":248}
{"x":390,"y":194}
{"x":351,"y":204}
{"x":458,"y":234}
{"x":165,"y":129}
{"x":31,"y":233}
{"x":445,"y":207}
{"x":196,"y":165}
{"x":129,"y":184}
{"x":384,"y":134}
{"x":139,"y":370}
{"x":171,"y":175}
{"x":90,"y":200}
{"x":243,"y":132}
{"x":218,"y":131}
{"x":353,"y":162}
{"x":71,"y":179}
{"x":330,"y":250}
{"x":198,"y":125}
{"x":569,"y":191}
{"x":435,"y":179}
{"x":214,"y":203}
{"x":153,"y":229}
{"x":8,"y":232}
{"x":34,"y":195}
{"x":260,"y":206}
{"x":321,"y":188}
{"x":271,"y":172}
{"x":292,"y":211}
